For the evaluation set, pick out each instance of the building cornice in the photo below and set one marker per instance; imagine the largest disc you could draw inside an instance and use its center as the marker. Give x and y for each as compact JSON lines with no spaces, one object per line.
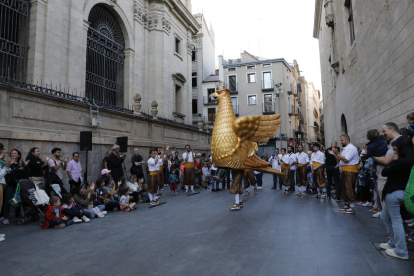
{"x":317,"y":18}
{"x":260,"y":62}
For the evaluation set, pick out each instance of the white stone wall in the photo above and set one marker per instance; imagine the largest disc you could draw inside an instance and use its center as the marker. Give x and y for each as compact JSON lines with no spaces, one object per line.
{"x":375,"y":79}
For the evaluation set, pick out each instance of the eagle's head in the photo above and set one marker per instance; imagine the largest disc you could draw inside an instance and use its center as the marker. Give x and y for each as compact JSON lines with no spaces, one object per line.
{"x":220,"y":95}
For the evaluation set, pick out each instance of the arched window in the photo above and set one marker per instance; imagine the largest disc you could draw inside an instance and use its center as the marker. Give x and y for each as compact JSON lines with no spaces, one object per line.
{"x":105,"y":58}
{"x":344,"y":127}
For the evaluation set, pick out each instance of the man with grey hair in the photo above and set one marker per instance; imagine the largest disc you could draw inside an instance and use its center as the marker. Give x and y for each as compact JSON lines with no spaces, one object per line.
{"x":115,"y":164}
{"x":332,"y":171}
{"x":348,"y":160}
{"x":137,"y":161}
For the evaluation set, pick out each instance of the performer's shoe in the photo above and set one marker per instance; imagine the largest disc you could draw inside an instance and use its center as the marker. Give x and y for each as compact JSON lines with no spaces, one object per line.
{"x":193,"y":191}
{"x":241,"y":204}
{"x":219,"y":190}
{"x":273,"y":188}
{"x":157,"y":202}
{"x":297,"y":194}
{"x":186,"y":192}
{"x":323,"y":197}
{"x":349,"y":211}
{"x":153,"y":203}
{"x":316,"y":196}
{"x":247,"y":193}
{"x":286,"y":192}
{"x":213,"y":190}
{"x":344,"y":208}
{"x":255,"y":192}
{"x":235,"y":207}
{"x":304,"y":193}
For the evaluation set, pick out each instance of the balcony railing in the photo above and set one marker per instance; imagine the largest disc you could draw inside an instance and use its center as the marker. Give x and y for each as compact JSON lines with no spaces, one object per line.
{"x":234,"y":88}
{"x":268,"y":108}
{"x":297,"y":111}
{"x":268,"y":85}
{"x":291,"y":110}
{"x":208,"y":101}
{"x":290,"y":89}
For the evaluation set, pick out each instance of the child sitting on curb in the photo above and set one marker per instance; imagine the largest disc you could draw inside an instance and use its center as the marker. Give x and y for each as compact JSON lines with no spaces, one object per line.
{"x":124,"y":200}
{"x":75,"y":211}
{"x":53,"y":215}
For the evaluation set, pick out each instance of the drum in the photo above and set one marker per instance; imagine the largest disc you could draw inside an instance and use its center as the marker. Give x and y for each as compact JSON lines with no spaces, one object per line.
{"x":220,"y":175}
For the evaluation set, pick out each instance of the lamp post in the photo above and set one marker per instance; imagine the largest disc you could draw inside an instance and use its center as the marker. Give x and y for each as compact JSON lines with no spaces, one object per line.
{"x":278,"y":91}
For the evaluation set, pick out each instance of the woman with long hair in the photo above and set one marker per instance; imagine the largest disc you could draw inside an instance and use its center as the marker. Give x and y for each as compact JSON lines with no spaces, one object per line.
{"x":397,"y":173}
{"x":36,"y":167}
{"x":17,"y":170}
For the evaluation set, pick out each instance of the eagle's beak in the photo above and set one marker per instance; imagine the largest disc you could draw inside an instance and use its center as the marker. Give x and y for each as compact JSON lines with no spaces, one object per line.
{"x":214,"y":96}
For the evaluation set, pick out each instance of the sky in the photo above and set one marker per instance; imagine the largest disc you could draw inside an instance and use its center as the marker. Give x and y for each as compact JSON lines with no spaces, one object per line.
{"x":265,"y":28}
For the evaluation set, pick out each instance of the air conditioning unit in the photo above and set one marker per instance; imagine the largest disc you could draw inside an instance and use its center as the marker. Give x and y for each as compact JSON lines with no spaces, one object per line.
{"x":239,"y":60}
{"x":230,"y":61}
{"x":96,"y":122}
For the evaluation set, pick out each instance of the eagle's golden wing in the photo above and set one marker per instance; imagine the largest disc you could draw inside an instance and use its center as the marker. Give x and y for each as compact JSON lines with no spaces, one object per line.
{"x":256,"y":128}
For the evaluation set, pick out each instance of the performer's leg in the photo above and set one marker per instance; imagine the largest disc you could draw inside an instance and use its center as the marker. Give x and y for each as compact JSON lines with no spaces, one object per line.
{"x":186,"y":188}
{"x":192,"y":188}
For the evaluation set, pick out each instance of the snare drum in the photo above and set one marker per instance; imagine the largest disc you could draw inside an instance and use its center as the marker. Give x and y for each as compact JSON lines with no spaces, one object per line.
{"x":220,"y":175}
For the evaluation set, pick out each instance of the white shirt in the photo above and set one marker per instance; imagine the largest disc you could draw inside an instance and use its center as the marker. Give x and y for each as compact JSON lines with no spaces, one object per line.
{"x":275,"y":163}
{"x":285,"y":159}
{"x":190,"y":157}
{"x":133,"y":186}
{"x":302,"y":158}
{"x":160,"y":163}
{"x":350,"y":152}
{"x":292,"y":159}
{"x":124,"y":199}
{"x":152,"y":167}
{"x":317,"y":157}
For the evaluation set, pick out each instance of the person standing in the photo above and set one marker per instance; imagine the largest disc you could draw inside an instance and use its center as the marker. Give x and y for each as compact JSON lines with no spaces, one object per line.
{"x":36,"y":167}
{"x":317,"y":166}
{"x":397,"y":173}
{"x":275,"y":162}
{"x":285,"y":166}
{"x":302,"y":161}
{"x":189,"y":171}
{"x":74,"y":170}
{"x":137,"y":161}
{"x":348,"y":160}
{"x":57,"y":165}
{"x":162,"y":160}
{"x":332,"y":171}
{"x":292,"y":168}
{"x":153,"y":175}
{"x":4,"y":169}
{"x":105,"y":160}
{"x":115,"y":164}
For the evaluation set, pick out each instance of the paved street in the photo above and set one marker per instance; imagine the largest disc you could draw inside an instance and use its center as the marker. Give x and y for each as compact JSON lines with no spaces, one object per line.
{"x":274,"y":234}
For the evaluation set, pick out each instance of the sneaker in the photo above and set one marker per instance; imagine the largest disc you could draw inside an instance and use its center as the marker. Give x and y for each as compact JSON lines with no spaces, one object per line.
{"x":346,"y":207}
{"x":193,"y":191}
{"x":323,"y":197}
{"x":304,"y":193}
{"x":390,"y":252}
{"x":2,"y":239}
{"x":409,"y":221}
{"x":2,"y":235}
{"x":76,"y":220}
{"x":410,"y":224}
{"x":374,"y":210}
{"x":91,"y":216}
{"x":368,"y":204}
{"x":235,"y":207}
{"x":153,"y":203}
{"x":349,"y":211}
{"x":361,"y":203}
{"x":104,"y":212}
{"x":85,"y":219}
{"x":260,"y":187}
{"x":6,"y":221}
{"x":213,"y":190}
{"x":315,"y":196}
{"x":59,"y":226}
{"x":298,"y":194}
{"x":376,"y":215}
{"x":101,"y":215}
{"x":255,"y":191}
{"x":186,"y":192}
{"x":70,"y":222}
{"x":247,"y":193}
{"x":241,"y":204}
{"x":157,"y":202}
{"x":286,"y":192}
{"x":385,"y":246}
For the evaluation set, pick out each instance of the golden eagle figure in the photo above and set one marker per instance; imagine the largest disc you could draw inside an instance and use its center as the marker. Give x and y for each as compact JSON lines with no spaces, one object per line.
{"x":234,"y":141}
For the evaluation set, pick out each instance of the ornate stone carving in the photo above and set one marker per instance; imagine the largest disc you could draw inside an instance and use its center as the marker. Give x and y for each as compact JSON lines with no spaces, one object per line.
{"x":207,"y":126}
{"x":145,"y":19}
{"x":190,"y":46}
{"x":166,"y":25}
{"x":153,"y":22}
{"x":137,"y":102}
{"x":200,"y":123}
{"x":139,"y":13}
{"x":154,"y":110}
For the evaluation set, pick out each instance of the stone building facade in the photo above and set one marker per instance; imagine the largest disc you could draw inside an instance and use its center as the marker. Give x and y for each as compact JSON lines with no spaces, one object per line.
{"x":366,"y":53}
{"x":113,"y":67}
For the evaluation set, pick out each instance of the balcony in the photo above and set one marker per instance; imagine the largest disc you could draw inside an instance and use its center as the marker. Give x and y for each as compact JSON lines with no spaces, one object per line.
{"x":299,"y":103}
{"x":208,"y":101}
{"x":268,"y":85}
{"x":301,"y":118}
{"x":297,"y":111}
{"x":291,"y":110}
{"x":290,"y":89}
{"x":315,"y":124}
{"x":234,"y":88}
{"x":315,"y":112}
{"x":268,"y":108}
{"x":295,"y":92}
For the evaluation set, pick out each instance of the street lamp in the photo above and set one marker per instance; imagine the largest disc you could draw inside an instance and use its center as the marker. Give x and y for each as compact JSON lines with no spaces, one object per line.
{"x":278,"y":91}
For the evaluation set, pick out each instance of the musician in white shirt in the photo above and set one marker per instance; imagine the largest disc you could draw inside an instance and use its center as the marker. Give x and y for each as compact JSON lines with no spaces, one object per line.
{"x":348,"y":160}
{"x":285,"y":165}
{"x":292,"y":168}
{"x":302,"y":161}
{"x":153,"y":177}
{"x":317,"y":165}
{"x":189,"y":171}
{"x":275,"y":161}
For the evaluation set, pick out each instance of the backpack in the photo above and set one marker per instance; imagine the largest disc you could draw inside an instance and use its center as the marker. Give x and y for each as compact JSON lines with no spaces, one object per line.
{"x":145,"y":197}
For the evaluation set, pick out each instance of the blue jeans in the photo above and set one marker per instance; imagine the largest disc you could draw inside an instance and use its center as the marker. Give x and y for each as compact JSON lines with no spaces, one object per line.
{"x":393,"y":222}
{"x":259,"y":179}
{"x":213,"y":184}
{"x":292,"y":179}
{"x":277,"y":178}
{"x":57,"y":222}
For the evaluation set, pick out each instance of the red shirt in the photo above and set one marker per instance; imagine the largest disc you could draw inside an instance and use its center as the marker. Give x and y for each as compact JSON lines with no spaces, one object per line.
{"x":50,"y":215}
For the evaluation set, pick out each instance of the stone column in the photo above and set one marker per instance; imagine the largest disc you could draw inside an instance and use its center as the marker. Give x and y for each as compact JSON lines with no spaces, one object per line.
{"x":128,"y":78}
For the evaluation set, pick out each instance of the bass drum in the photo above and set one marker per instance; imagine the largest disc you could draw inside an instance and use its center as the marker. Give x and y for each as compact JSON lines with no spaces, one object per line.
{"x":409,"y":193}
{"x":220,"y":175}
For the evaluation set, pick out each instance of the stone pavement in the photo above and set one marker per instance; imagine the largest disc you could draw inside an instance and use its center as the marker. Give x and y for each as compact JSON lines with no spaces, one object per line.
{"x":273,"y":234}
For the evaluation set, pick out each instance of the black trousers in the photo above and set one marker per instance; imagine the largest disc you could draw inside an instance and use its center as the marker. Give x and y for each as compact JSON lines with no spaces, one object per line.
{"x":331,"y":172}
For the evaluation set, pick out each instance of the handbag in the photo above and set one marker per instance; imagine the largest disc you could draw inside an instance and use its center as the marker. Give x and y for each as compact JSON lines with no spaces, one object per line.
{"x":41,"y":196}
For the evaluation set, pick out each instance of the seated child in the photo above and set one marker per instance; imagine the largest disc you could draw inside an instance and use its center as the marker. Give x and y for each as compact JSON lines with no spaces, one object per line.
{"x":376,"y":147}
{"x":124,"y":200}
{"x":75,"y":211}
{"x":53,"y":215}
{"x":103,"y":196}
{"x":206,"y":176}
{"x":173,"y":182}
